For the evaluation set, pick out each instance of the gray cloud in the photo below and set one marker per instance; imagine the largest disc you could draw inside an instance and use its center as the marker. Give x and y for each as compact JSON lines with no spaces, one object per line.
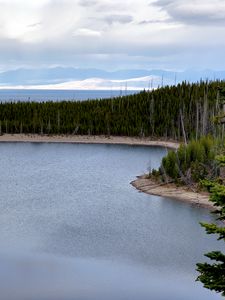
{"x":194,"y":12}
{"x":122,"y":19}
{"x":112,"y":34}
{"x":155,"y":21}
{"x":162,"y":2}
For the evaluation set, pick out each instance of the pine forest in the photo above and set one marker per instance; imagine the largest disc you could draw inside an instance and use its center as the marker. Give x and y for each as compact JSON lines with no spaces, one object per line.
{"x":183,"y":112}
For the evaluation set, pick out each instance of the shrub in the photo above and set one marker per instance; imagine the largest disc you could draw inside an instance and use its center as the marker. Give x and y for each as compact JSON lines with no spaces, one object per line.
{"x":194,"y":161}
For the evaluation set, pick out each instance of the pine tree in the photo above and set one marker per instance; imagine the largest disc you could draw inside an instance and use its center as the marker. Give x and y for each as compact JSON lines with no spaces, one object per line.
{"x":213,"y":275}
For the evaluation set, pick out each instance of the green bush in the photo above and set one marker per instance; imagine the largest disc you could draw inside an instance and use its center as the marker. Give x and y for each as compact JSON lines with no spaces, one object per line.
{"x":198,"y":171}
{"x":170,"y":165}
{"x":195,"y":160}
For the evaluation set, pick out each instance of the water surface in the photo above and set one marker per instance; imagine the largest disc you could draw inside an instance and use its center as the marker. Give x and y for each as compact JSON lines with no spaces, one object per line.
{"x":74,"y":228}
{"x":7,"y":95}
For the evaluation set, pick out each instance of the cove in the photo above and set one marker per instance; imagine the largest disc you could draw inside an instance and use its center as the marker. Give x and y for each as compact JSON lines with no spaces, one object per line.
{"x":72,"y":227}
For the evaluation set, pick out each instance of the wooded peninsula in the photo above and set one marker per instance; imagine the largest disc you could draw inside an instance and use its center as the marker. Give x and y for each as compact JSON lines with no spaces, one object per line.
{"x":179,"y":112}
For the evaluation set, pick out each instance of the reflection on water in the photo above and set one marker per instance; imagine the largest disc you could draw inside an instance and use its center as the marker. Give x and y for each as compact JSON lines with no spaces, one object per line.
{"x":73,"y":227}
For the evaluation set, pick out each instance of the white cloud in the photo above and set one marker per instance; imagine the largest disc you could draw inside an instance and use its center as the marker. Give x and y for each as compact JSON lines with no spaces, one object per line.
{"x":112,"y":33}
{"x":85,"y":32}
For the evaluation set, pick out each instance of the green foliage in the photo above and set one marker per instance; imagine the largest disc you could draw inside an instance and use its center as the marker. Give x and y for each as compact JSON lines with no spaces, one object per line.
{"x":195,"y":160}
{"x":198,"y":171}
{"x":213,"y":275}
{"x":155,"y":173}
{"x":221,"y":160}
{"x":170,"y":165}
{"x":212,"y":228}
{"x":154,"y":114}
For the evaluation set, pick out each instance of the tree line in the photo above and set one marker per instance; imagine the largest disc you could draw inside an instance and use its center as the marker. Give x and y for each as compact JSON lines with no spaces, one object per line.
{"x":177,"y":112}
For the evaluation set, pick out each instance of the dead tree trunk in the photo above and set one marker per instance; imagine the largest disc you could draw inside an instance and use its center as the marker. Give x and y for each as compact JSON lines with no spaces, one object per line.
{"x":182,"y":126}
{"x":205,"y":113}
{"x":21,"y":128}
{"x":197,"y":121}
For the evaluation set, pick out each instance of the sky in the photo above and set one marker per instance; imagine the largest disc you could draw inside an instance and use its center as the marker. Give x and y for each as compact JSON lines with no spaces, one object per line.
{"x":113,"y":34}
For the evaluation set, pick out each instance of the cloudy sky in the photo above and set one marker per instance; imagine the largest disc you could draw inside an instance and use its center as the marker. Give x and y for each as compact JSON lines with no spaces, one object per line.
{"x":113,"y":34}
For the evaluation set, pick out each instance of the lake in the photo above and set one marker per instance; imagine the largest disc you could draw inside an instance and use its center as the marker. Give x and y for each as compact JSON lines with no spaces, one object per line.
{"x":59,"y":95}
{"x":72,"y":227}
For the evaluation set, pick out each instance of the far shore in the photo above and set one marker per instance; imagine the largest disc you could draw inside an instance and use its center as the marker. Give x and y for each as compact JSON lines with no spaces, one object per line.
{"x":86,"y":139}
{"x":181,"y":193}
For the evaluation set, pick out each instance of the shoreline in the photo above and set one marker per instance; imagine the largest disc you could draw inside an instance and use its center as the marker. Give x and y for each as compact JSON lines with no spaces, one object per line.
{"x":142,"y":184}
{"x":85,"y":139}
{"x":170,"y":190}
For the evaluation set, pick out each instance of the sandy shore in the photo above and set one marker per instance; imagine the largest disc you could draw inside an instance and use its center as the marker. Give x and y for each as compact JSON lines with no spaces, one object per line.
{"x":143,"y":184}
{"x":81,"y":139}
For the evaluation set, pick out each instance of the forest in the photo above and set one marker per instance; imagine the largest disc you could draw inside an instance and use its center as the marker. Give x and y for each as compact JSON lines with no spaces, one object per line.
{"x":181,"y":112}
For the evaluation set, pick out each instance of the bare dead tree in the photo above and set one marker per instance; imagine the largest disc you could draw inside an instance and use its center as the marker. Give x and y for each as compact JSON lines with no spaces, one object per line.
{"x":58,"y":120}
{"x":197,"y":120}
{"x":6,"y":126}
{"x":76,"y":129}
{"x":182,"y":126}
{"x":41,"y":127}
{"x":164,"y":175}
{"x":21,"y":128}
{"x":205,"y":112}
{"x":49,"y":126}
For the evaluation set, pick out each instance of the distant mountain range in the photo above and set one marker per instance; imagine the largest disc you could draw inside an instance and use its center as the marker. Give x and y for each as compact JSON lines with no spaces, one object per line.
{"x":59,"y":77}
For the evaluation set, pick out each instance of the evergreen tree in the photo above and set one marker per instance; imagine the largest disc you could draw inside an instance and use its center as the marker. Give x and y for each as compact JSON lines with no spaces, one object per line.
{"x":192,"y":162}
{"x":181,"y":112}
{"x":213,"y":275}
